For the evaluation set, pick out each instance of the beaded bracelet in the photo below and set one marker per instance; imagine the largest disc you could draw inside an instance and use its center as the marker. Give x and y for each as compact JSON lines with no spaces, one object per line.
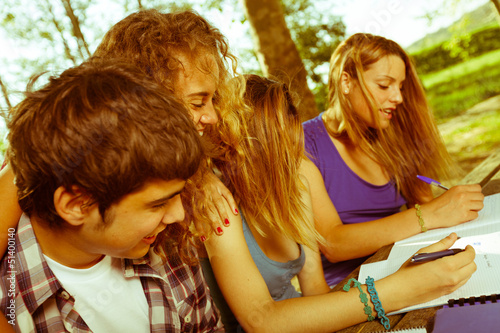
{"x":362,"y":297}
{"x":376,"y":303}
{"x":420,"y":219}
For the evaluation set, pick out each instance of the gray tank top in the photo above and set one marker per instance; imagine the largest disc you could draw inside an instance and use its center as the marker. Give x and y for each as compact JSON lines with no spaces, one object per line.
{"x":278,"y":275}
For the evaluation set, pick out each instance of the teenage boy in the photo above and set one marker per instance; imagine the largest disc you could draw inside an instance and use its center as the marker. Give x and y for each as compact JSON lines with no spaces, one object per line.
{"x":189,"y":58}
{"x":100,"y":155}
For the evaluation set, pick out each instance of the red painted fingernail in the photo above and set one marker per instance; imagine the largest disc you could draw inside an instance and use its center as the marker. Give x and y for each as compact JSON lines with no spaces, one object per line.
{"x":203,"y":238}
{"x":236,"y":211}
{"x":226,"y":222}
{"x":219,"y":230}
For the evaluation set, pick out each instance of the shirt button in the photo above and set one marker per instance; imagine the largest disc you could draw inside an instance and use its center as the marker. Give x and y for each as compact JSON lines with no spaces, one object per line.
{"x":187,"y":319}
{"x":65,"y":295}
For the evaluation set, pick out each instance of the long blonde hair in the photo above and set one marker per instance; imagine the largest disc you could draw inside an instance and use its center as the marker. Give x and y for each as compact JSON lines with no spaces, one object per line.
{"x":412,"y":144}
{"x":261,"y":165}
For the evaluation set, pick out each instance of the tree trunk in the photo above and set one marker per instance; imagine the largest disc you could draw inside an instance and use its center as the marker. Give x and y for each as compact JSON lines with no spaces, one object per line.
{"x":496,"y":3}
{"x":83,"y":48}
{"x":276,"y":51}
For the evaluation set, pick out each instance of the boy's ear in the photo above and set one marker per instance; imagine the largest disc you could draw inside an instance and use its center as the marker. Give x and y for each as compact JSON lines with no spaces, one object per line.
{"x":70,"y":205}
{"x":345,"y":83}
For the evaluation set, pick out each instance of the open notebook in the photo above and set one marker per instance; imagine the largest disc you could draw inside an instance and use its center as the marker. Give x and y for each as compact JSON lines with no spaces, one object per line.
{"x":482,"y":233}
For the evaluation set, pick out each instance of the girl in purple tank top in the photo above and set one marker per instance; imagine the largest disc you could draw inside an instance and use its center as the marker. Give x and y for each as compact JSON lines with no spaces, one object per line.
{"x":367,"y":148}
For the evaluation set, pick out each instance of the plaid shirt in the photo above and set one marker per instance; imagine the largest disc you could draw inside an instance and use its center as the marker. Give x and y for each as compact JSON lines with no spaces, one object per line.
{"x":177,"y":294}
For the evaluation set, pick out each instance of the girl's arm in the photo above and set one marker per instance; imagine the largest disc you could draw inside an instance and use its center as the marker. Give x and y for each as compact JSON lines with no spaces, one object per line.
{"x":5,"y":327}
{"x":311,"y":278}
{"x":10,"y":211}
{"x":248,"y":297}
{"x":348,"y":241}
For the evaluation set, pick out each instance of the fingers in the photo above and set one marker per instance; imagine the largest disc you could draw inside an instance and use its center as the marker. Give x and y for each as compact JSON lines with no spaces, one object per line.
{"x":470,"y":193}
{"x":469,"y":188}
{"x":465,"y":257}
{"x":460,"y":268}
{"x":216,"y":208}
{"x":458,"y":205}
{"x":219,"y":214}
{"x":229,"y":198}
{"x":443,"y":244}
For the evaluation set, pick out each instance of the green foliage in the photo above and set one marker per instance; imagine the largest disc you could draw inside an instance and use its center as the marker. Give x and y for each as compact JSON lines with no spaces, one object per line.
{"x":457,"y":88}
{"x":316,"y":34}
{"x":482,"y":17}
{"x":3,"y":146}
{"x":452,"y":52}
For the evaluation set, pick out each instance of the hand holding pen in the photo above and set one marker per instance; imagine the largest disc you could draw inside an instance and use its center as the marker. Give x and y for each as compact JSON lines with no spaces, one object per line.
{"x":456,"y":205}
{"x":432,"y":182}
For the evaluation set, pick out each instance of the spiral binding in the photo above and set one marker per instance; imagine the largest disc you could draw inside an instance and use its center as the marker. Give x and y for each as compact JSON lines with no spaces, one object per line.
{"x":483,"y":299}
{"x":406,"y":330}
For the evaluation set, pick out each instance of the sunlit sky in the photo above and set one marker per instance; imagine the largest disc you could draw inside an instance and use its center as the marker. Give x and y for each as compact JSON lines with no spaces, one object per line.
{"x":400,"y":20}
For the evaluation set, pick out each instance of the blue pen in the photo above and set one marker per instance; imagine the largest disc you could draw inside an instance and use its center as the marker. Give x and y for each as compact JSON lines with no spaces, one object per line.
{"x":432,"y":182}
{"x":424,"y":257}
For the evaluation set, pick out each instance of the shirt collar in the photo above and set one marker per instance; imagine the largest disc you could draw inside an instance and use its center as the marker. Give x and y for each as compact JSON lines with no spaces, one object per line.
{"x":36,"y":281}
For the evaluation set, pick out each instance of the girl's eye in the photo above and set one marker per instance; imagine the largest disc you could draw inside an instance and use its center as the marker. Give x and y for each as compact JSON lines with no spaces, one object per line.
{"x":198,"y":106}
{"x":383,"y":87}
{"x":159,"y":206}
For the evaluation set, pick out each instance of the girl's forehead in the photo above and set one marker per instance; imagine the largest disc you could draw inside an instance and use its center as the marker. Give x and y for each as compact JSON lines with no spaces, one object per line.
{"x":391,"y":66}
{"x":190,"y":66}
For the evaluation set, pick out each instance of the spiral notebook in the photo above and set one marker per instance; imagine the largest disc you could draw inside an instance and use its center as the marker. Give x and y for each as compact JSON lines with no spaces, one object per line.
{"x":465,"y":318}
{"x":406,"y":330}
{"x":482,"y":233}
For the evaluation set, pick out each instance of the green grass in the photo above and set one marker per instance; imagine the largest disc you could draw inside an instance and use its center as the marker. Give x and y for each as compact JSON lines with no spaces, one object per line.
{"x":487,"y":127}
{"x":457,"y":88}
{"x":472,"y":137}
{"x":470,"y":67}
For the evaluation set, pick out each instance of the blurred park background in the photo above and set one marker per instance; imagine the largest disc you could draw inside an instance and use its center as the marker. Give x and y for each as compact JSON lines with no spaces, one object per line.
{"x":455,"y":45}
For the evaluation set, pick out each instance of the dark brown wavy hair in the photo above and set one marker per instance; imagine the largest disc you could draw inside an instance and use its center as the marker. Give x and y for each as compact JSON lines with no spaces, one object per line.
{"x":104,"y":127}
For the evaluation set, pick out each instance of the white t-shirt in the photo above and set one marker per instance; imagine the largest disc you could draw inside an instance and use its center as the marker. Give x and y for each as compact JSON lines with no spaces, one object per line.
{"x":106,"y":300}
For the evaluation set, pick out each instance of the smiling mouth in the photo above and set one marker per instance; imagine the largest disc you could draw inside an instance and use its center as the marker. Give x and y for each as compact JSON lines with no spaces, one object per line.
{"x":387,"y":111}
{"x":150,"y":239}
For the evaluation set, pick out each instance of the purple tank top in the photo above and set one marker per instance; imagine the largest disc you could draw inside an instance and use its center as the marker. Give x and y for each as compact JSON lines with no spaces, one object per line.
{"x":355,"y":199}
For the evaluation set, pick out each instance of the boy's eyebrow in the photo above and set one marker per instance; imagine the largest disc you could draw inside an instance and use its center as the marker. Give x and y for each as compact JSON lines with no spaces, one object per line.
{"x":163,"y":199}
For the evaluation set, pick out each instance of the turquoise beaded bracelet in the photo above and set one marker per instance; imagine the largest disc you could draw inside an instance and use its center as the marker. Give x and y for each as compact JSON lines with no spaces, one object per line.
{"x":376,"y":303}
{"x":362,"y":297}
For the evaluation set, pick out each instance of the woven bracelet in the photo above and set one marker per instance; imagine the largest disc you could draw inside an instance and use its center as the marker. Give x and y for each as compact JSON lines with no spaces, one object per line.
{"x":376,"y":303}
{"x":362,"y":297}
{"x":420,"y":219}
